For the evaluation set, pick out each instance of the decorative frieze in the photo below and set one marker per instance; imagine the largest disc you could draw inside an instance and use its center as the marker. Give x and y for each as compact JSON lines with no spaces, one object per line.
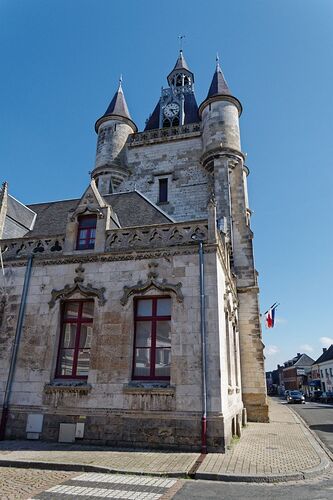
{"x":24,"y":247}
{"x":164,"y":134}
{"x":156,"y":236}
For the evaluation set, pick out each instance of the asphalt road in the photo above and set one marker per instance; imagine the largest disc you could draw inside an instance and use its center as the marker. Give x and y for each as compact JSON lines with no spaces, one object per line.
{"x":315,"y":489}
{"x":319,"y":418}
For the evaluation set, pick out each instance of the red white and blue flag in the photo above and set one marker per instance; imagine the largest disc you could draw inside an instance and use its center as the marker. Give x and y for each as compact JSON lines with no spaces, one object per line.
{"x":270,"y":316}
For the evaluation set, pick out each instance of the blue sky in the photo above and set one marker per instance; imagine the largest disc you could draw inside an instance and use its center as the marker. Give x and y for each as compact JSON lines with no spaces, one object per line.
{"x":61,"y":61}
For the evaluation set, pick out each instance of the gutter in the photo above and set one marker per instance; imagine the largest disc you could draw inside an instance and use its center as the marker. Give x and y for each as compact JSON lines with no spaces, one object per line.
{"x":18,"y":332}
{"x":203,"y":351}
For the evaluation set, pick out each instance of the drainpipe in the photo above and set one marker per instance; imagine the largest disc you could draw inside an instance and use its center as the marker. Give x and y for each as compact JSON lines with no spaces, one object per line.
{"x":203,"y":346}
{"x":17,"y":338}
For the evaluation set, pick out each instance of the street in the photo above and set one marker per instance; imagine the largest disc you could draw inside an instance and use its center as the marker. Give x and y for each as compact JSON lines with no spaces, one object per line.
{"x":24,"y":484}
{"x":319,"y":418}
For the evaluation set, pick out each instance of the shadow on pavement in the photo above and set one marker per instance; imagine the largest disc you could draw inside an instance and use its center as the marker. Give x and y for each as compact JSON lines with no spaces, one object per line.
{"x":322,"y":427}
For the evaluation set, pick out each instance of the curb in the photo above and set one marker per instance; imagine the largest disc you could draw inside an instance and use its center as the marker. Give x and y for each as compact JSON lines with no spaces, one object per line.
{"x":25,"y":464}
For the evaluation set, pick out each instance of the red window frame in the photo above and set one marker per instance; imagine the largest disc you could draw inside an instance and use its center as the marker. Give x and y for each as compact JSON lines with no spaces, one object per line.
{"x":153,"y":349}
{"x":86,"y":232}
{"x":79,"y":320}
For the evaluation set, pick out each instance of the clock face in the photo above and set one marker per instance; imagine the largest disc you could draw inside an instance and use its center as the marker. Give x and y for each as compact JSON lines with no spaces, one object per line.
{"x":171,"y":110}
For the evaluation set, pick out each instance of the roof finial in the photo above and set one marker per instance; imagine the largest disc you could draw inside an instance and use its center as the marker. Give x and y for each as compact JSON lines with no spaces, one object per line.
{"x":120,"y":82}
{"x":217,"y":62}
{"x":181,"y":37}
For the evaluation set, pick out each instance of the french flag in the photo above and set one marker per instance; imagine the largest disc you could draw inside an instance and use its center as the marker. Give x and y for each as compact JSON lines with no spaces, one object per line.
{"x":270,"y":316}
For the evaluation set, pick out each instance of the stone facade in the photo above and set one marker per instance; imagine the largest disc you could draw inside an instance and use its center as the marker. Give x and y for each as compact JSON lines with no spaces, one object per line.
{"x":159,"y":257}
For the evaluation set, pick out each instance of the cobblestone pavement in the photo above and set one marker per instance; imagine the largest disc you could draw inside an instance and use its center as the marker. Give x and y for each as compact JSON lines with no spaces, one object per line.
{"x":281,"y":447}
{"x":21,"y":484}
{"x":116,"y":486}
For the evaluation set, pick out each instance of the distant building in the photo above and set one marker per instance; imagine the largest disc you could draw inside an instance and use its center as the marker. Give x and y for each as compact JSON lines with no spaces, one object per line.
{"x":323,"y":367}
{"x":296,"y":372}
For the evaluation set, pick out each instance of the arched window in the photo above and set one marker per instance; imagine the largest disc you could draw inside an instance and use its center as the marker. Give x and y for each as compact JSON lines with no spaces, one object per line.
{"x":187,"y":81}
{"x":175,"y":122}
{"x":179,"y":81}
{"x":86,"y":232}
{"x":166,"y":123}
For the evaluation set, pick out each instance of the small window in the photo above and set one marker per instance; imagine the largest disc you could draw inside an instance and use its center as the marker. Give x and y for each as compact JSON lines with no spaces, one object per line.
{"x":75,"y":339}
{"x":152,"y":344}
{"x":166,"y":123}
{"x":163,"y":191}
{"x":86,"y":233}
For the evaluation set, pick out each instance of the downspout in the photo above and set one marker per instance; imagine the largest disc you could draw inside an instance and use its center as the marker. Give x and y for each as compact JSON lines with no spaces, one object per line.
{"x":18,"y":332}
{"x":203,"y":350}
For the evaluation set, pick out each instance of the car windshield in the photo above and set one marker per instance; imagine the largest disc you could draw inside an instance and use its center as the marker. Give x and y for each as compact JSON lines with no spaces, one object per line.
{"x":296,"y":393}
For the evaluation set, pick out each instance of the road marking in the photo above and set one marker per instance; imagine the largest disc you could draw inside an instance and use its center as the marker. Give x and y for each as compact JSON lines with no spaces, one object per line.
{"x":116,"y":486}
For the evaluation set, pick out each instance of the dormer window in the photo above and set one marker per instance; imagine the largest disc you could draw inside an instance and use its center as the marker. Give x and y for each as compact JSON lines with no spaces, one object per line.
{"x":86,"y":233}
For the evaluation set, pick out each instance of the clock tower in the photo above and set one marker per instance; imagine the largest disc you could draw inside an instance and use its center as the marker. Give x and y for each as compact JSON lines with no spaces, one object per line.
{"x":177,"y":105}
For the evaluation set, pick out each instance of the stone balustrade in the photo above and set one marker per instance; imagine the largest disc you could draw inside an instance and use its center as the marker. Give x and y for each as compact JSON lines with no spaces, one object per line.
{"x":164,"y":134}
{"x":124,"y":239}
{"x":165,"y":235}
{"x":12,"y":249}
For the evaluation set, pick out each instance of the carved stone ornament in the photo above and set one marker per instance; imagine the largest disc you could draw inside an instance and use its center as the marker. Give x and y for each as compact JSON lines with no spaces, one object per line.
{"x":86,"y":291}
{"x":89,"y":209}
{"x":152,"y":282}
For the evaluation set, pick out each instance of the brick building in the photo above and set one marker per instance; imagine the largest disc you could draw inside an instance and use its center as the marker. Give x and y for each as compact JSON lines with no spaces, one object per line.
{"x":130,"y":316}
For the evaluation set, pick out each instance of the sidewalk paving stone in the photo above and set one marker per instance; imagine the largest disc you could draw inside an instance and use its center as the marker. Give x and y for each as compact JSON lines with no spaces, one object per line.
{"x":280,"y":450}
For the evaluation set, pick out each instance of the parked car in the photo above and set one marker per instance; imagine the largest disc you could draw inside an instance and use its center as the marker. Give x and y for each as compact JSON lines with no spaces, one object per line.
{"x":286,"y":393}
{"x":315,"y":396}
{"x":295,"y":397}
{"x":326,"y":397}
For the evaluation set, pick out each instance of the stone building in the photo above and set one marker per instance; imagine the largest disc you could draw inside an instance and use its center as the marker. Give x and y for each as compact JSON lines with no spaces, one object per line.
{"x":130,"y":316}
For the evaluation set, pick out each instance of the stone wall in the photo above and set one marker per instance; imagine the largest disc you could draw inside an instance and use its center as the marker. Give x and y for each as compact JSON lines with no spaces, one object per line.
{"x":163,"y":416}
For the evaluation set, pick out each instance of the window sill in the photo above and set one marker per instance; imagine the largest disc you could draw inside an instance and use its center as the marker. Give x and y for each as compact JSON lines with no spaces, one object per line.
{"x":149,"y":388}
{"x":163,"y":203}
{"x":71,"y":386}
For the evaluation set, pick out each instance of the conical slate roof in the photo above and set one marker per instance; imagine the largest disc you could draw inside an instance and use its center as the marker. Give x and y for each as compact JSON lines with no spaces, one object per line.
{"x":219,"y":85}
{"x":219,"y":89}
{"x":117,"y":106}
{"x":181,"y":63}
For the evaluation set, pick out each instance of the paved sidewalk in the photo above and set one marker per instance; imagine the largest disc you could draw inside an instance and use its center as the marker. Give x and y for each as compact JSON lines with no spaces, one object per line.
{"x":282,"y":450}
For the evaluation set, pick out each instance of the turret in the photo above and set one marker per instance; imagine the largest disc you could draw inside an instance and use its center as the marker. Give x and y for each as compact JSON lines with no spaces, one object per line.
{"x":177,"y":105}
{"x":220,"y":113}
{"x":113,"y":129}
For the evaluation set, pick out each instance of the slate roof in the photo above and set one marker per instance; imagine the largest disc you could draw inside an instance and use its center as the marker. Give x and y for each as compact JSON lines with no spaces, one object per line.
{"x":181,"y":63}
{"x":219,"y":85}
{"x":326,"y":356}
{"x":190,"y":109}
{"x":19,"y":219}
{"x":132,"y":209}
{"x":117,"y":107}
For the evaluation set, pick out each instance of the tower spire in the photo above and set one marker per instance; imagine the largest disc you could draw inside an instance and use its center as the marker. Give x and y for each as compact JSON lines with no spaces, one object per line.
{"x":117,"y":107}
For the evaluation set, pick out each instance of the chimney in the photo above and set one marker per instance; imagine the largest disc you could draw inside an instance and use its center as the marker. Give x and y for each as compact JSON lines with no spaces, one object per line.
{"x":298,"y":354}
{"x":324,"y":349}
